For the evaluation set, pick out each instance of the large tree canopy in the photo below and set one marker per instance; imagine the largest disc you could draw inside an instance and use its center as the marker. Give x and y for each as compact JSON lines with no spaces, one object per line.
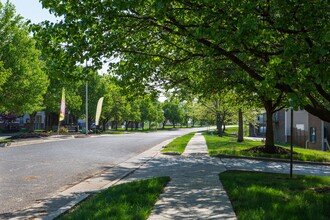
{"x":22,"y":80}
{"x":278,"y":44}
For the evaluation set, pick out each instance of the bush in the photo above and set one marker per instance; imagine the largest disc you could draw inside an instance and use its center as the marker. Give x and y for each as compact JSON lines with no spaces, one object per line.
{"x":63,"y":130}
{"x":97,"y":131}
{"x":23,"y":130}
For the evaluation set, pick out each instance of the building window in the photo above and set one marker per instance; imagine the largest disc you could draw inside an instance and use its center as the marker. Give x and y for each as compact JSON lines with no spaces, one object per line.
{"x":313,"y":135}
{"x":262,"y":129}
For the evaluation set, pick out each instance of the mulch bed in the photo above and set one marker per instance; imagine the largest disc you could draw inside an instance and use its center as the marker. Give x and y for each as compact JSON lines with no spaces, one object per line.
{"x":322,"y":189}
{"x":268,"y":150}
{"x":30,"y":135}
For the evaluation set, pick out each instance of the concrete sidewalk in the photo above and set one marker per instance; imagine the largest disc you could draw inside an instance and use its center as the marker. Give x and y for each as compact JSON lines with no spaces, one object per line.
{"x":194,"y":191}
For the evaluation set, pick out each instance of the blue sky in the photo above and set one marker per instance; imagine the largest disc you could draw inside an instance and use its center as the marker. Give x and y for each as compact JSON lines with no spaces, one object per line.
{"x":32,"y":9}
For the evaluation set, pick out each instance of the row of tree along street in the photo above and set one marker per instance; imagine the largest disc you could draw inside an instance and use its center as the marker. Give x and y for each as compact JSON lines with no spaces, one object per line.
{"x":32,"y":80}
{"x":268,"y":54}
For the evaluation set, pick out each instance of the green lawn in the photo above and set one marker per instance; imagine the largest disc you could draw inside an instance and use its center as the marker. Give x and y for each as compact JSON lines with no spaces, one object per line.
{"x":233,"y":130}
{"x":133,"y":200}
{"x":228,"y":145}
{"x":178,"y":144}
{"x":275,"y":196}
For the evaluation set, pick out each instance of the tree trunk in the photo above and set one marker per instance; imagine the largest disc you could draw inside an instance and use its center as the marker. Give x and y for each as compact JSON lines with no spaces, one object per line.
{"x":219,"y":125}
{"x":270,"y":145}
{"x":223,"y":127}
{"x":47,"y":121}
{"x":103,"y":125}
{"x":126,"y":125}
{"x":32,"y":119}
{"x":240,"y":136}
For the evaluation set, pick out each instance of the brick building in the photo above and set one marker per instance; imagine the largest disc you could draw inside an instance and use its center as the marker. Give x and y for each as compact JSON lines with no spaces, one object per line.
{"x":308,"y":131}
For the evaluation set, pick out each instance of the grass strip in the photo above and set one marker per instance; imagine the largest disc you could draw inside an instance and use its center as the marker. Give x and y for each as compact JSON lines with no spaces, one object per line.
{"x":228,"y":145}
{"x":4,"y":141}
{"x":178,"y":144}
{"x":276,"y":196}
{"x":133,"y":200}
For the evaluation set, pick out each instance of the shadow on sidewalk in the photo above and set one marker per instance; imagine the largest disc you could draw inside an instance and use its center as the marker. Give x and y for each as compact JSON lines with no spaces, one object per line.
{"x":194,"y":191}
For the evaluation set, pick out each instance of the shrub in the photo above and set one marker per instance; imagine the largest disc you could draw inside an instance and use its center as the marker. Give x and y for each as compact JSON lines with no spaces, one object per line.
{"x":63,"y":130}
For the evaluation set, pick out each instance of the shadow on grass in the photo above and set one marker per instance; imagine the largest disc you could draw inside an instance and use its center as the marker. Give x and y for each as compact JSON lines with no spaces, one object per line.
{"x":133,"y":200}
{"x":275,"y":167}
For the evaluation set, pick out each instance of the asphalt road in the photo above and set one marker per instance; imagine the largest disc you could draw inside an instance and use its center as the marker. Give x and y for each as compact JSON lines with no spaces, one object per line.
{"x":33,"y":172}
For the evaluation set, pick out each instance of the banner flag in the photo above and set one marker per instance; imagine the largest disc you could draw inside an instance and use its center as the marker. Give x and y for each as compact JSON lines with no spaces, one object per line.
{"x":62,"y":109}
{"x":98,"y":111}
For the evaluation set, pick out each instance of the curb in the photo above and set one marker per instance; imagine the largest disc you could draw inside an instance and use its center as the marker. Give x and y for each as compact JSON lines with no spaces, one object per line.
{"x":83,"y":195}
{"x":5,"y":144}
{"x":271,"y":159}
{"x":67,"y":207}
{"x":54,"y":138}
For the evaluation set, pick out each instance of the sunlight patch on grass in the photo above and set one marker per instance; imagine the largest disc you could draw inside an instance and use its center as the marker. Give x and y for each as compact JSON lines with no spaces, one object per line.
{"x":178,"y":145}
{"x":228,"y":145}
{"x":133,"y":200}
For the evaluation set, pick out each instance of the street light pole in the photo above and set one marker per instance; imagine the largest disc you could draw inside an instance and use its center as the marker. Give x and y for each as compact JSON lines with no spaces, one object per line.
{"x":86,"y":68}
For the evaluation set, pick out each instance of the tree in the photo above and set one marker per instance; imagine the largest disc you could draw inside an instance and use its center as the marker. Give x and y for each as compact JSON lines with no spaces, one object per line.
{"x":5,"y":73}
{"x":59,"y":79}
{"x":158,"y":114}
{"x":131,"y":112}
{"x":261,"y":38}
{"x":25,"y":86}
{"x":172,"y":112}
{"x":221,"y":106}
{"x":148,"y":109}
{"x":188,"y":111}
{"x":204,"y":115}
{"x":112,"y":104}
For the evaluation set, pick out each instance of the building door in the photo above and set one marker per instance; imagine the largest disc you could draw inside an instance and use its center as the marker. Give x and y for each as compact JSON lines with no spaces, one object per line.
{"x":38,"y":122}
{"x":326,"y":136}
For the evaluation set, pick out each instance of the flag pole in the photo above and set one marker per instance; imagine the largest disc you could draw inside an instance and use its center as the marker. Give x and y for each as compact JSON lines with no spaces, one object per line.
{"x":98,"y":112}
